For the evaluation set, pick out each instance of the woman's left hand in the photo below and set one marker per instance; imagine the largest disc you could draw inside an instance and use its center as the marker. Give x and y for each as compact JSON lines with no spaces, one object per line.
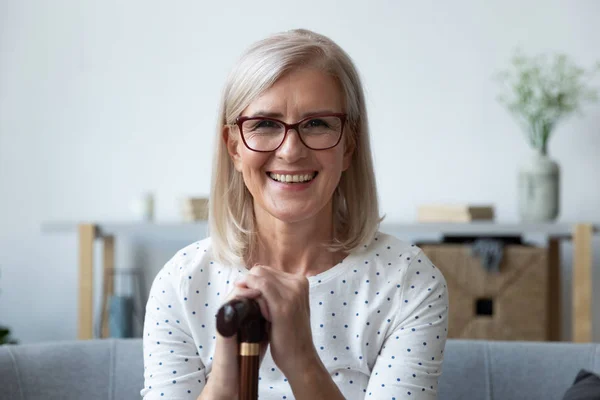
{"x":284,"y":302}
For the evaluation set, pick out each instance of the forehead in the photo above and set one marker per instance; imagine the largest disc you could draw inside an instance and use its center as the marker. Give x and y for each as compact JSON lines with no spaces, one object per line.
{"x":298,"y":93}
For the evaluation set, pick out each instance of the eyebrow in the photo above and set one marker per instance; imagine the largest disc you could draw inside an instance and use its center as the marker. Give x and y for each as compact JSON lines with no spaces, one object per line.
{"x":269,"y":114}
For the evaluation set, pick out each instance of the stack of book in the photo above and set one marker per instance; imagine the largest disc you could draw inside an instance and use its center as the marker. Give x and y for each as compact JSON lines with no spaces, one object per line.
{"x":195,"y":209}
{"x":455,"y":213}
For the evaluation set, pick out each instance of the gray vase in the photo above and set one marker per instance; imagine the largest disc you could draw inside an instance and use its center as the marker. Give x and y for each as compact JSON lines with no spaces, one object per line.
{"x":539,"y":189}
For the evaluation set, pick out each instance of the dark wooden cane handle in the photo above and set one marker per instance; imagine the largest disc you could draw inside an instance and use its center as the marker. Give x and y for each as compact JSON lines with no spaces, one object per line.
{"x":243,"y":316}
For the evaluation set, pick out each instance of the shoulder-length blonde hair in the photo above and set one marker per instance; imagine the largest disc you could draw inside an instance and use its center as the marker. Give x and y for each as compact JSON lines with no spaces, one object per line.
{"x":355,"y":206}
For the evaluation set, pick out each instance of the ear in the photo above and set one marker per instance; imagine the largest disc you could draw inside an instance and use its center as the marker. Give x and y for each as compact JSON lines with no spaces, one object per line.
{"x":348,"y":153}
{"x":232,"y":146}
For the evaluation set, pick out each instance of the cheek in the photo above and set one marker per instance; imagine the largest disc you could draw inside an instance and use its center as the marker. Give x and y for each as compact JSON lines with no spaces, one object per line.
{"x":251,"y":163}
{"x":332,"y":167}
{"x":334,"y":161}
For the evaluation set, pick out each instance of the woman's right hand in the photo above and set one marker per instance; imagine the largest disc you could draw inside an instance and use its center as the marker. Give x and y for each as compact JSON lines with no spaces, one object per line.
{"x":223,"y":381}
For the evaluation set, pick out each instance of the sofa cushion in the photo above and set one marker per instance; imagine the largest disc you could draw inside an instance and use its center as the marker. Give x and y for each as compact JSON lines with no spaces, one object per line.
{"x":585,"y":387}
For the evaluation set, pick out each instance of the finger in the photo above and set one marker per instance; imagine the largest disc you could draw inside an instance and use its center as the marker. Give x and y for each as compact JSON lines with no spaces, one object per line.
{"x":264,"y":345}
{"x":283,"y":277}
{"x":261,"y":300}
{"x":264,"y":307}
{"x":249,"y":293}
{"x":287,"y":283}
{"x":271,"y":297}
{"x":268,"y":285}
{"x":240,"y":283}
{"x":243,"y":292}
{"x":279,"y":278}
{"x":261,"y":270}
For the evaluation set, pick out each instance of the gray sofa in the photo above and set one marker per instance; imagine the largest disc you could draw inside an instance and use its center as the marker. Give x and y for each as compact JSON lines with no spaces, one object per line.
{"x":113,"y":369}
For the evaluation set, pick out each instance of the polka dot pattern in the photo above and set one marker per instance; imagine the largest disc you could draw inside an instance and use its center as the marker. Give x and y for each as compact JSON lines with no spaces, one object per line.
{"x":379,"y":324}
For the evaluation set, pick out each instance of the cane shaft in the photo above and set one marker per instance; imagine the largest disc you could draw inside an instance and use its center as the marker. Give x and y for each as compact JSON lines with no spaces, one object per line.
{"x":249,"y":365}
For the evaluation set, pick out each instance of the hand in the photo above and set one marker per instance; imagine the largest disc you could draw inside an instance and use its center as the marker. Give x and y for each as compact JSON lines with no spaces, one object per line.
{"x":224,"y":380}
{"x":284,"y":302}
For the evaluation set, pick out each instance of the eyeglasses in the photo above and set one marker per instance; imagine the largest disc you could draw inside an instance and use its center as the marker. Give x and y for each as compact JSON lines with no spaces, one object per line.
{"x":317,"y":132}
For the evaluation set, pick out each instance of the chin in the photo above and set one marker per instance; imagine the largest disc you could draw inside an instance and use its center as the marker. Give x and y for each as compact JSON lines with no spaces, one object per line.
{"x":290,"y":217}
{"x":297,"y":214}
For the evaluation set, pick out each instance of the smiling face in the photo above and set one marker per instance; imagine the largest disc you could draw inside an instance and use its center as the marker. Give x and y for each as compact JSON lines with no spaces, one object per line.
{"x":293,"y":183}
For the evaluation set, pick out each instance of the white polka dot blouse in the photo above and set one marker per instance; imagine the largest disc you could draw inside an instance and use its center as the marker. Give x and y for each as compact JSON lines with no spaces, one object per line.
{"x":379,"y":321}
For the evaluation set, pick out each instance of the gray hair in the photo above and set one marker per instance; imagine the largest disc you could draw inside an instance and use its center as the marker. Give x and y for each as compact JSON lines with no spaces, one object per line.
{"x":355,"y":205}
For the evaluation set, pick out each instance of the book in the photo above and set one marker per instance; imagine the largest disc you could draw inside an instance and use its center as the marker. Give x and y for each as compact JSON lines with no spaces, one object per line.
{"x":454,"y":213}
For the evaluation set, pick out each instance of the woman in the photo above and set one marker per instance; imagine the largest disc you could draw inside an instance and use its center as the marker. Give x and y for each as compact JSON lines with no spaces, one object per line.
{"x":294,"y":219}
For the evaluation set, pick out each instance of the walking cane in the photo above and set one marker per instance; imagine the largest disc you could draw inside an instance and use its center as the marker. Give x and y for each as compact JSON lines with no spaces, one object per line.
{"x":243,"y":316}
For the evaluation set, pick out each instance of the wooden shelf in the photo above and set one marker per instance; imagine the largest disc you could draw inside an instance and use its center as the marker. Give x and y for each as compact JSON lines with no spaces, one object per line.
{"x":580,"y":233}
{"x":558,"y":230}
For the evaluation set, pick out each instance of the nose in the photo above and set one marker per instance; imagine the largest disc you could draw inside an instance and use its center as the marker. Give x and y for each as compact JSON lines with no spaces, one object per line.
{"x":292,"y":148}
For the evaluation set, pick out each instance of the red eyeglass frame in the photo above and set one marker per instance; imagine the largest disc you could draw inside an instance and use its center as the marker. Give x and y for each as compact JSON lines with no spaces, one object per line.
{"x":240,"y":120}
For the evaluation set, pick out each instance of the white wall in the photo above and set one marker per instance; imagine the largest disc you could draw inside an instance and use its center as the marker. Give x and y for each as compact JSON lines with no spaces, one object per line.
{"x":100,"y":101}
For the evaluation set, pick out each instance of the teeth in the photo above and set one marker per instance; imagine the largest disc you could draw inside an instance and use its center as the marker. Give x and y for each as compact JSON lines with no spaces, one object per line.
{"x":292,"y":178}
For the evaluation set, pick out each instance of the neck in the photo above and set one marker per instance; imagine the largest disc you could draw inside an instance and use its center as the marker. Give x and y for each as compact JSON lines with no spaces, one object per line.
{"x":295,"y":247}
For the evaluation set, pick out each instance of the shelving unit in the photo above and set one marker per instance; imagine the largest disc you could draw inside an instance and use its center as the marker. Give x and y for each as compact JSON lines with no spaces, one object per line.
{"x":581,"y":235}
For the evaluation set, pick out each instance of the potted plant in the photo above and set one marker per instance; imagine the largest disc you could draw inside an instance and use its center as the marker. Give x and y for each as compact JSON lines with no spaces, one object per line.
{"x":541,"y":91}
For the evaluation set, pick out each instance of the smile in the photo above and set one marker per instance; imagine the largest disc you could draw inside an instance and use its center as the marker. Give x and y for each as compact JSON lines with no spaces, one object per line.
{"x":292,"y":178}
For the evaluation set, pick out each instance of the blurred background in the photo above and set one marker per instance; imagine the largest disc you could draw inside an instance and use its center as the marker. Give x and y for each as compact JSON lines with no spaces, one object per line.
{"x":102,"y":102}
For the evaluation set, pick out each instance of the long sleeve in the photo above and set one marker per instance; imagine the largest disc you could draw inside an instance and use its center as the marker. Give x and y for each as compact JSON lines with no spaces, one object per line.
{"x":172,"y":366}
{"x":410,"y":361}
{"x":363,"y":312}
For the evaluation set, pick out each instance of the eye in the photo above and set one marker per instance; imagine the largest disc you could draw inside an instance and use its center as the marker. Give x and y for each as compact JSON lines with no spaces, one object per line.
{"x":313,"y":123}
{"x":265,"y":123}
